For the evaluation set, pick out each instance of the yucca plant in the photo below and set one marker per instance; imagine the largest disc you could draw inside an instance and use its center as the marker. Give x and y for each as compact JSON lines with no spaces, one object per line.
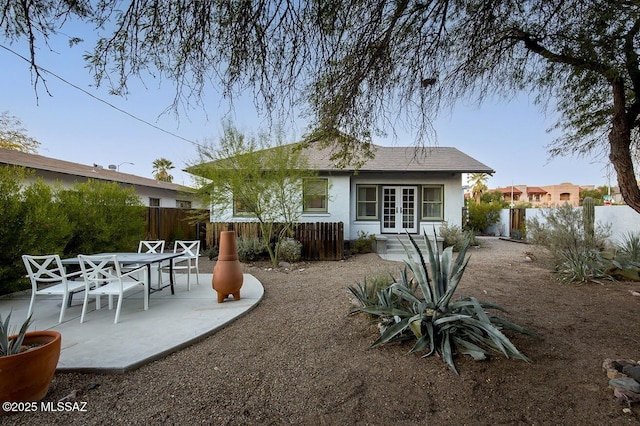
{"x":11,"y":346}
{"x":420,"y":306}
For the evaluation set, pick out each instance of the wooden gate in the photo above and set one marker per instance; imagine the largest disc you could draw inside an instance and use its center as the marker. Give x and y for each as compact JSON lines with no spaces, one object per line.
{"x":517,"y":219}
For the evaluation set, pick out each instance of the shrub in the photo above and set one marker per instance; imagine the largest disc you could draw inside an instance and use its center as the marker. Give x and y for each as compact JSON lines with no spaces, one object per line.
{"x":629,"y":248}
{"x":454,"y":236}
{"x":364,"y":243}
{"x":576,"y":251}
{"x":251,"y":249}
{"x":212,"y":252}
{"x":290,"y":250}
{"x":366,"y":294}
{"x":563,"y":229}
{"x":419,"y":307}
{"x":483,"y":215}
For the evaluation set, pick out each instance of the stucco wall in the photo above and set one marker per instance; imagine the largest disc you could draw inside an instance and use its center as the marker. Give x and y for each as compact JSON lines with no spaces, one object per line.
{"x":621,"y":219}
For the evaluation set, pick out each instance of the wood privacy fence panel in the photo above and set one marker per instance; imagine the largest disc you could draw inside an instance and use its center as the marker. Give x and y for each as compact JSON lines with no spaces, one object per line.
{"x":517,"y":219}
{"x":320,"y":240}
{"x":171,"y":224}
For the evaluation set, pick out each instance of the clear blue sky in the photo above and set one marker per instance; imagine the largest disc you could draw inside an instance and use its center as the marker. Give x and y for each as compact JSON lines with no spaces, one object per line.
{"x":509,"y":137}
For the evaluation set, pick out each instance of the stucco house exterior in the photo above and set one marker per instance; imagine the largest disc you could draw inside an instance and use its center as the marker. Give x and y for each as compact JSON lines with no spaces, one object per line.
{"x":152,"y":192}
{"x":402,"y":189}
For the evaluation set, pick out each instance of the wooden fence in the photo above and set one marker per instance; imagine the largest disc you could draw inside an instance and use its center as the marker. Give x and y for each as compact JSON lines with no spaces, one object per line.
{"x":171,"y":224}
{"x":320,"y":241}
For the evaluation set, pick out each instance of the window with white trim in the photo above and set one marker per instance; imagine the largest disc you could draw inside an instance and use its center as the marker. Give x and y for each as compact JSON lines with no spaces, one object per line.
{"x":315,"y":195}
{"x":366,"y":202}
{"x":433,"y":202}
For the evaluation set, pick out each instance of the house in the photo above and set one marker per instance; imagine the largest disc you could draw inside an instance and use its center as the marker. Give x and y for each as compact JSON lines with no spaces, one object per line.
{"x":152,"y":192}
{"x":402,"y":189}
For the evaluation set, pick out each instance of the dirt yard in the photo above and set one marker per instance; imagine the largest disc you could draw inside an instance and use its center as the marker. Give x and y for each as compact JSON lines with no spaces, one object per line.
{"x":297,"y":358}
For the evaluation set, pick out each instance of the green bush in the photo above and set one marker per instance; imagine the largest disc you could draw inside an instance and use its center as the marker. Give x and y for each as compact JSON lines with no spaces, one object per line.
{"x":364,"y":243}
{"x":251,"y":249}
{"x":629,"y":248}
{"x":577,"y":255}
{"x":104,"y":216}
{"x":483,"y":215}
{"x":32,"y":222}
{"x":290,"y":250}
{"x":41,"y":219}
{"x":454,"y":236}
{"x":420,"y":306}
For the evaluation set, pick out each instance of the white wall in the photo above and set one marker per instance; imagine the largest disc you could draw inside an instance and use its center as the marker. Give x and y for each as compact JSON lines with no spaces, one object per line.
{"x":338,"y":208}
{"x":622,"y":219}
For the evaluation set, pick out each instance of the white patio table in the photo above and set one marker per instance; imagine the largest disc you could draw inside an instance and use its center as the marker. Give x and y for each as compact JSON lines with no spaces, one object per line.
{"x":147,"y":259}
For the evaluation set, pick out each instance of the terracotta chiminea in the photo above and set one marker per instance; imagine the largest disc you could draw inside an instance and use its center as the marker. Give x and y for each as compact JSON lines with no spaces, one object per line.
{"x":227,"y":274}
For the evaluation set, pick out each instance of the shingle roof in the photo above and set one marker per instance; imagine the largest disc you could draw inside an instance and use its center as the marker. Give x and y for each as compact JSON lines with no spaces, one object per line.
{"x":38,"y":162}
{"x":430,"y":159}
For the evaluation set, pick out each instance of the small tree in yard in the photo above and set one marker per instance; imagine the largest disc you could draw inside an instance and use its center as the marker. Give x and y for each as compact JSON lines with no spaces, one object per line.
{"x":244,"y":176}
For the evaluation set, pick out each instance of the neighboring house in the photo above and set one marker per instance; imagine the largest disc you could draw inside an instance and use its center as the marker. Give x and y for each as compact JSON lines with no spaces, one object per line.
{"x":552,"y":195}
{"x":402,"y":189}
{"x":152,"y":192}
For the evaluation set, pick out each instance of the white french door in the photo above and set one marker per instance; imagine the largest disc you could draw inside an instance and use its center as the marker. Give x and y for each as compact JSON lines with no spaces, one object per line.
{"x":399,"y":207}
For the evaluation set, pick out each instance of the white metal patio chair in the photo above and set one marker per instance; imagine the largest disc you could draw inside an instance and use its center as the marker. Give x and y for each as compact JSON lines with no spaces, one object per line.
{"x":188,"y":261}
{"x":48,"y":270}
{"x":103,"y":273}
{"x":148,"y":246}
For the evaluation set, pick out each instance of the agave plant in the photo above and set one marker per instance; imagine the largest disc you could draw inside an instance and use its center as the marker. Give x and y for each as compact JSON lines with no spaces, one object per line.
{"x":11,"y":346}
{"x":420,"y":306}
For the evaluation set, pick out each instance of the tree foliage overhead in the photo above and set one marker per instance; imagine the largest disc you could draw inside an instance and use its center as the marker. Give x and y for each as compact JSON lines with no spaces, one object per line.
{"x":14,"y":136}
{"x":361,"y":67}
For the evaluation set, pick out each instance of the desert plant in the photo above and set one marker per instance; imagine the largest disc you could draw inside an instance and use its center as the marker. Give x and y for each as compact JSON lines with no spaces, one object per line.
{"x":212,"y":252}
{"x":364,"y":243}
{"x":629,"y":248}
{"x":290,"y":250}
{"x":581,"y":264}
{"x":14,"y":345}
{"x":588,"y":217}
{"x":420,"y":306}
{"x":483,"y":215}
{"x":367,"y":293}
{"x":250,"y":249}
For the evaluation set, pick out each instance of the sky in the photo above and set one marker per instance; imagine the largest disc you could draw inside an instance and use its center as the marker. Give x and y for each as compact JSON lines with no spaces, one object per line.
{"x":71,"y":125}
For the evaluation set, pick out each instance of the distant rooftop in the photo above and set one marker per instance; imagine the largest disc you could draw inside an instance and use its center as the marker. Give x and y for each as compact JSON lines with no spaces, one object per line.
{"x":39,"y":162}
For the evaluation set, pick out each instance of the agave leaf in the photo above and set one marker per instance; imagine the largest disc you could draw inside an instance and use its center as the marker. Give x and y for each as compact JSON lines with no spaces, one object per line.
{"x":416,"y":328}
{"x":500,"y":340}
{"x":421,"y":344}
{"x":511,"y":326}
{"x":445,"y":265}
{"x":453,"y":285}
{"x":446,"y":351}
{"x":386,"y":311}
{"x":468,"y":348}
{"x":419,"y":270}
{"x":392,"y":331}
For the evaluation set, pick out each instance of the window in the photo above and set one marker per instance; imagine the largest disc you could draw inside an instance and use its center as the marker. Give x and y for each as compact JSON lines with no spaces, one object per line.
{"x":432,"y":202}
{"x":315,"y":195}
{"x":182,"y":204}
{"x":241,"y":207}
{"x":565,"y":196}
{"x":366,"y":202}
{"x":154,"y":202}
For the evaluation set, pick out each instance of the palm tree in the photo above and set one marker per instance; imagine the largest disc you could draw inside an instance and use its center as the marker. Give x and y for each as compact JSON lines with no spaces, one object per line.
{"x":479,"y":186}
{"x":161,"y":168}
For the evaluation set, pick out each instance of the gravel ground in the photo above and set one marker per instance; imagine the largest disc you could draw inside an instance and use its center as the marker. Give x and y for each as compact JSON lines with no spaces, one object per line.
{"x":298,"y":358}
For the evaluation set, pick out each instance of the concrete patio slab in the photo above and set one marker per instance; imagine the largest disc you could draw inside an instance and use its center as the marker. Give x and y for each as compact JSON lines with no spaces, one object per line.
{"x":171,"y":323}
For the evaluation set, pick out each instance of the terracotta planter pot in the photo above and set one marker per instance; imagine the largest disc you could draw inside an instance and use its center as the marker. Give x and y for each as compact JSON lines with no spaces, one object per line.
{"x":26,"y":376}
{"x":227,"y":274}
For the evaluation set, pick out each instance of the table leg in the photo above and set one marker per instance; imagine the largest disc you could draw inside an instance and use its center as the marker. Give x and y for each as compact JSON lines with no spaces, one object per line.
{"x":171,"y":276}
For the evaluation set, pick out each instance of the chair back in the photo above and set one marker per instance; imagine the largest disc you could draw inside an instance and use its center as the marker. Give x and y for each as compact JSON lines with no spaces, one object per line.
{"x":44,"y":269}
{"x":189,"y":248}
{"x":100,"y":269}
{"x":154,"y":246}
